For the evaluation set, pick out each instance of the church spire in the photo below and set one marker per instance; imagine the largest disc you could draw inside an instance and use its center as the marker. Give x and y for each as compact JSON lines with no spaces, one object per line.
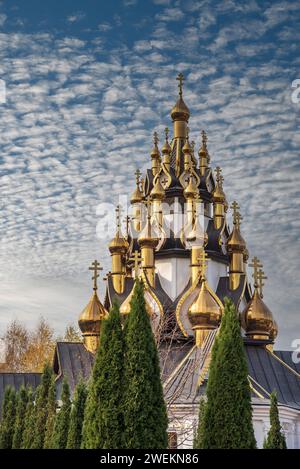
{"x":180,"y":113}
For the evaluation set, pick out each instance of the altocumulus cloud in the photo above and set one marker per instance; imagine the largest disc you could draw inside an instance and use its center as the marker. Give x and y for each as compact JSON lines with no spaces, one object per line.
{"x":78,"y":121}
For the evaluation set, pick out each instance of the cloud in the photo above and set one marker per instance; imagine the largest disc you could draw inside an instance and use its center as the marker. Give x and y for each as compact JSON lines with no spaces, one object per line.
{"x":170,"y":14}
{"x":76,"y":17}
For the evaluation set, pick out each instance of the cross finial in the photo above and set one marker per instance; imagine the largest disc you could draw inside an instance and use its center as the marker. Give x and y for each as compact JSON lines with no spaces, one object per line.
{"x":204,"y":138}
{"x":95,"y":267}
{"x":137,"y":177}
{"x":136,"y":257}
{"x":180,"y":79}
{"x":167,"y":133}
{"x":127,"y":221}
{"x":155,"y":138}
{"x":118,"y":217}
{"x":260,"y":278}
{"x":202,"y":259}
{"x":148,"y":205}
{"x":218,"y":171}
{"x":256,"y":264}
{"x":236,"y":215}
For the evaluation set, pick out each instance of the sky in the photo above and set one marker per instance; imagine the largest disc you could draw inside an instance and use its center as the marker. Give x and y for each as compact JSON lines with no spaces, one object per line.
{"x":87,"y":83}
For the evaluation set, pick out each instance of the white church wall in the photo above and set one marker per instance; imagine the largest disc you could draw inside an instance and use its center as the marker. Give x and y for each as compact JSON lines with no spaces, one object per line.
{"x":174,"y":274}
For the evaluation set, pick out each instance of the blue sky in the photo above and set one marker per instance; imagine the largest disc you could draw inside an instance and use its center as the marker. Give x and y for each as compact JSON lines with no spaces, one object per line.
{"x":87,"y":83}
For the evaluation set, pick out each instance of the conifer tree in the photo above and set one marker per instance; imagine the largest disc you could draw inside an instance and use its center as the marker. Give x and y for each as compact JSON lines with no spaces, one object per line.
{"x":77,"y":416}
{"x":29,"y":422}
{"x":275,"y":438}
{"x":62,"y":420}
{"x":145,"y":414}
{"x":228,"y":414}
{"x":103,"y":420}
{"x":51,"y":415}
{"x":22,"y":399}
{"x":198,"y":440}
{"x":41,"y":408}
{"x":8,"y":419}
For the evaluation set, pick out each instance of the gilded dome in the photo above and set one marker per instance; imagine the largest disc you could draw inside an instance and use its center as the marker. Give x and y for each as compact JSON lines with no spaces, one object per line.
{"x":191,"y":189}
{"x":235,"y":241}
{"x":218,"y":194}
{"x":158,"y":192}
{"x":125,"y":306}
{"x":180,"y":111}
{"x":136,"y":196}
{"x":90,"y":322}
{"x":118,"y":244}
{"x":205,"y":312}
{"x":148,"y":236}
{"x":257,"y":320}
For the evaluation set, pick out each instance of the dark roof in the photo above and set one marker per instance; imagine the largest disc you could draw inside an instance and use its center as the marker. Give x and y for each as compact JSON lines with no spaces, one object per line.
{"x":223,"y":290}
{"x":72,"y":361}
{"x":16,"y":380}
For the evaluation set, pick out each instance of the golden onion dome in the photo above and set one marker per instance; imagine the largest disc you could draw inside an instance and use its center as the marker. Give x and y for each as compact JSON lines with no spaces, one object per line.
{"x":126,"y":307}
{"x":136,"y":196}
{"x":235,"y":241}
{"x":180,"y":111}
{"x":191,"y":189}
{"x":158,"y":192}
{"x":218,"y":194}
{"x":257,"y":320}
{"x":166,"y":148}
{"x":90,"y":322}
{"x":187,"y":147}
{"x":118,"y":244}
{"x":205,"y":312}
{"x":148,"y":236}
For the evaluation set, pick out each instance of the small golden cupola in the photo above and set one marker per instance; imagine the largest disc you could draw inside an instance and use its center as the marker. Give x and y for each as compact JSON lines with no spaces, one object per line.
{"x":118,"y":248}
{"x":155,"y":155}
{"x":219,"y":200}
{"x":166,"y":152}
{"x":206,"y":311}
{"x":236,"y":247}
{"x":203,"y":154}
{"x":92,"y":316}
{"x":136,"y":202}
{"x":256,"y":319}
{"x":157,"y":195}
{"x":148,"y":240}
{"x":180,"y":113}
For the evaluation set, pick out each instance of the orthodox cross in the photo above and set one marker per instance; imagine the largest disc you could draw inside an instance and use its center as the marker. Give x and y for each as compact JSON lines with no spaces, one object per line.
{"x":137,"y":177}
{"x":167,"y":133}
{"x":118,"y":216}
{"x":204,"y":138}
{"x":236,"y":215}
{"x":256,"y":264}
{"x":95,"y":267}
{"x":218,"y":171}
{"x":127,"y":221}
{"x":155,"y":138}
{"x":136,"y":258}
{"x":260,"y":278}
{"x":148,"y":203}
{"x":203,"y":262}
{"x":180,"y":79}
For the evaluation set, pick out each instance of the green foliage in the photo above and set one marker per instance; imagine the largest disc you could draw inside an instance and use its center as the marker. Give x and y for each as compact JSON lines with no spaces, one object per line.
{"x":77,"y":416}
{"x":41,"y":408}
{"x":198,"y":440}
{"x":51,"y":415}
{"x":228,"y":414}
{"x":145,"y":414}
{"x":275,"y":438}
{"x":62,"y":420}
{"x":8,"y":419}
{"x":29,"y":423}
{"x":103,"y":419}
{"x":22,"y":400}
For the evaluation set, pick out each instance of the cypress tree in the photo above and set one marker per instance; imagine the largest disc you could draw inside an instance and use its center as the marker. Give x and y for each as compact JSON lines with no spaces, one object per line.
{"x":103,"y":420}
{"x":41,"y":408}
{"x":275,"y":438}
{"x":22,"y":400}
{"x":77,"y":416}
{"x":145,"y":414}
{"x":29,"y":422}
{"x":51,"y":415}
{"x":8,"y":419}
{"x":228,"y":414}
{"x":198,"y":440}
{"x":62,"y":420}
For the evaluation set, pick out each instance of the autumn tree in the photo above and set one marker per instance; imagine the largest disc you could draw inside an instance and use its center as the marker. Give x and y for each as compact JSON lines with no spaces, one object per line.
{"x":16,"y":343}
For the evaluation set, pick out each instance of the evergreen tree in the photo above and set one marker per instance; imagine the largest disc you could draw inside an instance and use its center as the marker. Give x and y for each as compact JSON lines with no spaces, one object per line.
{"x":62,"y":420}
{"x":29,"y":422}
{"x":22,"y":400}
{"x":8,"y":419}
{"x":145,"y":414}
{"x":275,"y":438}
{"x":77,"y":416}
{"x":41,"y":408}
{"x":228,"y":414}
{"x":103,"y":420}
{"x":198,"y":439}
{"x":51,"y":415}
